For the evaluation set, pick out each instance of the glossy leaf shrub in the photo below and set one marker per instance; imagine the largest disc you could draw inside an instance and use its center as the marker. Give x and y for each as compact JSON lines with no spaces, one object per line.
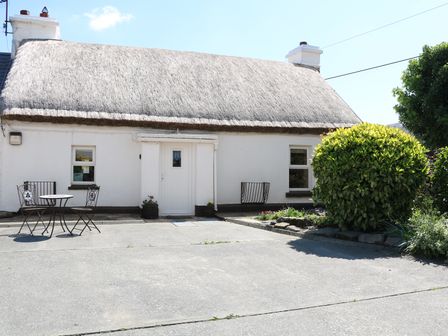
{"x":368,"y":175}
{"x":440,"y":180}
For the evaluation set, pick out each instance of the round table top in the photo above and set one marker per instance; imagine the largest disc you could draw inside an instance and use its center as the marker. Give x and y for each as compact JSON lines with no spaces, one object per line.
{"x":57,"y":196}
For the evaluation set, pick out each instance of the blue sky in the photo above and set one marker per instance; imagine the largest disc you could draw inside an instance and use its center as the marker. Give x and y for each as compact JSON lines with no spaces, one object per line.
{"x":267,"y":30}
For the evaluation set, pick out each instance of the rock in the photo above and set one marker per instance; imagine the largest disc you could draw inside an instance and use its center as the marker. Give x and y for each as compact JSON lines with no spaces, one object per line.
{"x":326,"y":231}
{"x":318,"y":211}
{"x":300,"y":222}
{"x":281,"y":225}
{"x":393,"y":241}
{"x":347,"y":235}
{"x":294,"y":228}
{"x":371,"y":238}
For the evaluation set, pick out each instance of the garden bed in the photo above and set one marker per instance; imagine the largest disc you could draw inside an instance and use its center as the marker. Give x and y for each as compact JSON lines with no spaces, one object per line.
{"x":314,"y":222}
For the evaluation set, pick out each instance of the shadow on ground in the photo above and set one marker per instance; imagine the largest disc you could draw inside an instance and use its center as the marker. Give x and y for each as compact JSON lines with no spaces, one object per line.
{"x":341,"y":250}
{"x":28,"y":238}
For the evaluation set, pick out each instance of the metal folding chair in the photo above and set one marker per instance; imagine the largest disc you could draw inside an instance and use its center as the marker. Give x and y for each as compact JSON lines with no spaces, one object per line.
{"x":29,"y":207}
{"x":87,"y":212}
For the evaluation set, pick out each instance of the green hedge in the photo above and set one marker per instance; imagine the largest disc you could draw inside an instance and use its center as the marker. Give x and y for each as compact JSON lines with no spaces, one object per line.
{"x":368,"y":175}
{"x":440,"y":180}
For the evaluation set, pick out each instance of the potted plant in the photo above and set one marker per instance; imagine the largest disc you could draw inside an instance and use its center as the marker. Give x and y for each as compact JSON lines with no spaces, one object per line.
{"x":150,"y":208}
{"x":205,"y":210}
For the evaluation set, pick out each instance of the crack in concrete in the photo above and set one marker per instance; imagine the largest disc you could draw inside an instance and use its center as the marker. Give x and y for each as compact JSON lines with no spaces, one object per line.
{"x":129,"y":246}
{"x":274,"y":312}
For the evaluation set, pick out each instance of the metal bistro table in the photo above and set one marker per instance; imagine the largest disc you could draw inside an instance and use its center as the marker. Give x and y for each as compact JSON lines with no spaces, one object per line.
{"x":56,"y":202}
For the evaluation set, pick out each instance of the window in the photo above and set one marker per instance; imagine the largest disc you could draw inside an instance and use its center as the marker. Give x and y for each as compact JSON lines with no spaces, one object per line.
{"x":83,"y":165}
{"x":299,"y":168}
{"x":177,"y":158}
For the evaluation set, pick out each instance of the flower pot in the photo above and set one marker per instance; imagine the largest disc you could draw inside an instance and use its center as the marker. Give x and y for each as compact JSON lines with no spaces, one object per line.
{"x":204,"y":211}
{"x":150,"y":212}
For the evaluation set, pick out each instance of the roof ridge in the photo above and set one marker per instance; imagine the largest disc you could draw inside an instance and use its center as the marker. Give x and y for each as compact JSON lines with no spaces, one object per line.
{"x":162,"y":49}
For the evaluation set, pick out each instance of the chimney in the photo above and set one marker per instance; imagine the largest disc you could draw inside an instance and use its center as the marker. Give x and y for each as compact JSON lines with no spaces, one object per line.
{"x":305,"y":55}
{"x":26,"y":27}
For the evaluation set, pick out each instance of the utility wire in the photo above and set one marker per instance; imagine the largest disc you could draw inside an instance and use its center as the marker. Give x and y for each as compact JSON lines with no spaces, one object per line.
{"x":384,"y":26}
{"x":371,"y":68}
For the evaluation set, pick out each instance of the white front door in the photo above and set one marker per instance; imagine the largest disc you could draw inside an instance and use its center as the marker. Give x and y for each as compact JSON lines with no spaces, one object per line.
{"x":176,"y":179}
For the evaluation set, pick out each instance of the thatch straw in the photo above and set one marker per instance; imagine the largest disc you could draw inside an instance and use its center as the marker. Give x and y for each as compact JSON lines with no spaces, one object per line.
{"x":99,"y":82}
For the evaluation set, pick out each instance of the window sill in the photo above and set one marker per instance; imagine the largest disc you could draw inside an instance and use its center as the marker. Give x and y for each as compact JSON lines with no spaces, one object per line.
{"x":299,"y":193}
{"x":79,"y":186}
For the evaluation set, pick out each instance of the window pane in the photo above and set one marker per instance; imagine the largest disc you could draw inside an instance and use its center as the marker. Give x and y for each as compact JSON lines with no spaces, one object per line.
{"x":177,"y":158}
{"x":85,"y":155}
{"x":298,"y":178}
{"x":298,"y":156}
{"x":83,"y":174}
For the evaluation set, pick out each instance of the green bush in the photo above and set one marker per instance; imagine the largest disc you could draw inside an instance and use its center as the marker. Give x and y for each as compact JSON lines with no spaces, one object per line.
{"x":427,"y":235}
{"x":368,"y":175}
{"x":440,"y":180}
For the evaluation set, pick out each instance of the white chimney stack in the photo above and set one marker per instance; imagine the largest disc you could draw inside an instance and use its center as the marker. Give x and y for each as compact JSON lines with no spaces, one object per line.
{"x":26,"y":27}
{"x":305,"y":55}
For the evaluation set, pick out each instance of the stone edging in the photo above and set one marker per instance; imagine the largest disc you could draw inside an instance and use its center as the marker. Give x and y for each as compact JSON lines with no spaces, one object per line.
{"x":308,"y":234}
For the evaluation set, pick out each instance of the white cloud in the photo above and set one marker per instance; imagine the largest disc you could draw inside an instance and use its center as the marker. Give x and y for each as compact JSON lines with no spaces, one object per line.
{"x":106,"y":17}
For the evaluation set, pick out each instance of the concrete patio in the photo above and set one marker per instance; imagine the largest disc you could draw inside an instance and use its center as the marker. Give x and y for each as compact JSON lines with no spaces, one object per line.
{"x":212,"y":278}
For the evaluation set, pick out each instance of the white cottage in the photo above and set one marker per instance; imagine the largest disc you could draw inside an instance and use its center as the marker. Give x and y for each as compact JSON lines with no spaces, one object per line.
{"x":187,"y":128}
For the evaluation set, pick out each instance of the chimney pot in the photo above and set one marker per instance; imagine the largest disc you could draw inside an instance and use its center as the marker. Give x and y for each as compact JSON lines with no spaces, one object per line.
{"x":24,"y":12}
{"x":305,"y":55}
{"x":44,"y":12}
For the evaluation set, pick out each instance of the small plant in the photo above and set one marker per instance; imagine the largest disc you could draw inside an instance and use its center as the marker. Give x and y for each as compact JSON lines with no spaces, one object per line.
{"x":215,"y":242}
{"x":231,"y":316}
{"x":265,"y":215}
{"x":292,"y":213}
{"x":427,"y":235}
{"x":205,"y":210}
{"x":150,"y":208}
{"x":320,"y":221}
{"x":149,"y":202}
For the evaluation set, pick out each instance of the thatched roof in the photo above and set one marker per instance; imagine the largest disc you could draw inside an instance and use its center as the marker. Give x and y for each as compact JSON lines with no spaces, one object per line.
{"x":102,"y":84}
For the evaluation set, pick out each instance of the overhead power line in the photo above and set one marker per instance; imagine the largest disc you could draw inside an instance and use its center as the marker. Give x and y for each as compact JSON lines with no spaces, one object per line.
{"x":371,"y":68}
{"x":385,"y":26}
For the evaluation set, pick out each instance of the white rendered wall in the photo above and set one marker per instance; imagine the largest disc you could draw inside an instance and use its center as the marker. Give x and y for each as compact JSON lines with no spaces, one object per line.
{"x":255,"y":157}
{"x":204,"y":173}
{"x":150,"y":170}
{"x":46,"y":154}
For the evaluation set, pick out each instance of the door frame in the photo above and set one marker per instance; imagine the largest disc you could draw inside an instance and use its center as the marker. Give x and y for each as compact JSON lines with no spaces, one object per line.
{"x":150,"y":185}
{"x":165,"y":150}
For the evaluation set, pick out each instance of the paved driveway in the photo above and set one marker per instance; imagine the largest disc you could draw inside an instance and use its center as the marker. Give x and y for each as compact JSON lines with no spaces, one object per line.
{"x":213,"y":278}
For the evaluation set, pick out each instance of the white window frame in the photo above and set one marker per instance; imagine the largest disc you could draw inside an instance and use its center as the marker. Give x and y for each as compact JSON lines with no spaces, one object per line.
{"x":307,"y":166}
{"x":83,"y":163}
